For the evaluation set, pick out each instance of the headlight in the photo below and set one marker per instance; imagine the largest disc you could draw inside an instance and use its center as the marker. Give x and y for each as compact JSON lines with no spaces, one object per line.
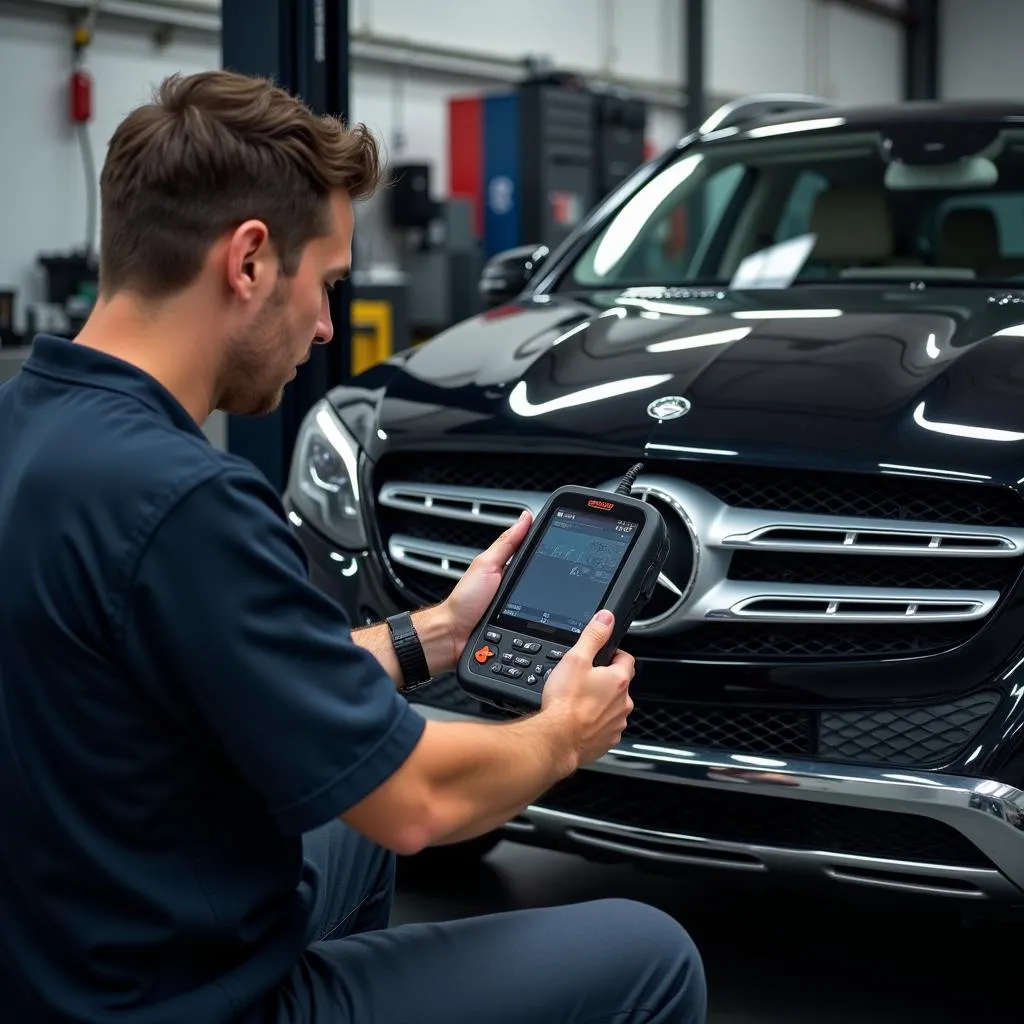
{"x":323,"y":482}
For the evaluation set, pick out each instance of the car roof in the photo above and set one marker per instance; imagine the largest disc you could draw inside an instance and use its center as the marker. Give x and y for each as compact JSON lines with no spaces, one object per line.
{"x":752,"y":112}
{"x":895,"y":113}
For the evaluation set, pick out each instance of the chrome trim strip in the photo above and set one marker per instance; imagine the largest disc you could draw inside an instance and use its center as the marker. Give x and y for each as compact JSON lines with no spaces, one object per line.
{"x":787,"y":602}
{"x":920,"y":540}
{"x":988,"y":813}
{"x":467,"y":504}
{"x":448,"y":560}
{"x":943,"y":880}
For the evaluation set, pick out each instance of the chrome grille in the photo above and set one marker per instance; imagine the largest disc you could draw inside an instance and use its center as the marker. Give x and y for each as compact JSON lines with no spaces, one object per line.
{"x":790,"y":565}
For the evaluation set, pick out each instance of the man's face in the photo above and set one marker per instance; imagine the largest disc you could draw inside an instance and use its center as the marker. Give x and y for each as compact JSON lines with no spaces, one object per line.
{"x":264,"y":357}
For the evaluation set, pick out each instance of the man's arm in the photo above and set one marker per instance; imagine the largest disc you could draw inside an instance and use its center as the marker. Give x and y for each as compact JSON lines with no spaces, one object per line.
{"x":463,"y":779}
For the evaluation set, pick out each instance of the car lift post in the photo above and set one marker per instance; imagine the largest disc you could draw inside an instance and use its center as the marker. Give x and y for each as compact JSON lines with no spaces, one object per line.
{"x":694,"y":50}
{"x":921,"y":50}
{"x":303,"y":45}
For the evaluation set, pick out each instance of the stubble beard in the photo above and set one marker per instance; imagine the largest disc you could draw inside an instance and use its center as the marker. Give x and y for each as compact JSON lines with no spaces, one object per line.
{"x":246,"y":391}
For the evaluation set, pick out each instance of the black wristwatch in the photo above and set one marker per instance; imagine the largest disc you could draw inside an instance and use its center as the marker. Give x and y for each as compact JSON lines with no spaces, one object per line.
{"x":409,"y":651}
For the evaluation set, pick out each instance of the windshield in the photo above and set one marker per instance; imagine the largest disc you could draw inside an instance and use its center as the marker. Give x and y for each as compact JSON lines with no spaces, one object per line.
{"x":814,"y":208}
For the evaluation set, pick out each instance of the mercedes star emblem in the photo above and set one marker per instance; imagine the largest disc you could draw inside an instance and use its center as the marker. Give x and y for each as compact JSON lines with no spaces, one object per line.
{"x":669,"y":407}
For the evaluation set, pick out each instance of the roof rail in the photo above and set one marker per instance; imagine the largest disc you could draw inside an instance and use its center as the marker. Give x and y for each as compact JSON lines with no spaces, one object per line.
{"x":747,"y":107}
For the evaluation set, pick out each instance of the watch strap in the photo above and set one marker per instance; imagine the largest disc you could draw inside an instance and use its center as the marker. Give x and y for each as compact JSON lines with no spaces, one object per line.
{"x":408,"y":650}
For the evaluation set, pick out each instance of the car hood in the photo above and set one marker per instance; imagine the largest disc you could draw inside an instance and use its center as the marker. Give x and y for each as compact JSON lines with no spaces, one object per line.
{"x":874,"y":377}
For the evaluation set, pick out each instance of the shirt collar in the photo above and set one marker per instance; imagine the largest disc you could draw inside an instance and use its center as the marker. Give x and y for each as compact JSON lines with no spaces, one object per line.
{"x":60,"y":359}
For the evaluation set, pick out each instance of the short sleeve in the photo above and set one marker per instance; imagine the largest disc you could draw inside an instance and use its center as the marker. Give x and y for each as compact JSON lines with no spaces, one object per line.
{"x":222,"y":622}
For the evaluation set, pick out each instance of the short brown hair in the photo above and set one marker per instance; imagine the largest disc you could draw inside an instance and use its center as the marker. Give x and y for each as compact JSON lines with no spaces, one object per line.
{"x":211,"y":151}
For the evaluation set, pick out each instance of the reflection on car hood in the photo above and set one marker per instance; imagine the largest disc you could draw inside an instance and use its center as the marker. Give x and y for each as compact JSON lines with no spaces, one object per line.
{"x":872,"y":375}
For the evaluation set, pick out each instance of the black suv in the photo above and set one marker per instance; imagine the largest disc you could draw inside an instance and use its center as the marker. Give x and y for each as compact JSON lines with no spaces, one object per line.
{"x":808,"y":323}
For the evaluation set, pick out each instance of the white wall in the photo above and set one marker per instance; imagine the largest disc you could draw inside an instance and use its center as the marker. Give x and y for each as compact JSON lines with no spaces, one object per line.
{"x":981,"y":44}
{"x":823,"y":48}
{"x":816,"y":46}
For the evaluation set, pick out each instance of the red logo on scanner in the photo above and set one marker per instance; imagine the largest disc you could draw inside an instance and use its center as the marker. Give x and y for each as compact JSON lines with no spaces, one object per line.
{"x":606,"y":505}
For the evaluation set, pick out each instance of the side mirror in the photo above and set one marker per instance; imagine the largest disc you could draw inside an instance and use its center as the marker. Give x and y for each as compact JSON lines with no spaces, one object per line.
{"x":507,"y":274}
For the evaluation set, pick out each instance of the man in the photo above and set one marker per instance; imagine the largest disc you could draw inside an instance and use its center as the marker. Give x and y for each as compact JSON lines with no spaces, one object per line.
{"x":205,"y":773}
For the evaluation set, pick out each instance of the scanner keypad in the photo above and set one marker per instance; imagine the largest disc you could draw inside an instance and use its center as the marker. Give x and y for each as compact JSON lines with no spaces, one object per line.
{"x":517,"y":657}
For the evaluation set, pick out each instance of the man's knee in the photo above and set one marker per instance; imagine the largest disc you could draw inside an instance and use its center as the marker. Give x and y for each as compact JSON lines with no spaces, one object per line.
{"x":666,"y":964}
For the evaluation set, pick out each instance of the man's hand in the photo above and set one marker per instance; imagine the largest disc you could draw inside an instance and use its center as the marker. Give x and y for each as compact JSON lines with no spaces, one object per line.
{"x":594,"y":703}
{"x":444,"y":628}
{"x":465,"y":606}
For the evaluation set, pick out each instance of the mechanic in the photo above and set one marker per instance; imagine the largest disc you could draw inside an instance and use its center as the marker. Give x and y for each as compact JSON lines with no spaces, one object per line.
{"x":206,"y":773}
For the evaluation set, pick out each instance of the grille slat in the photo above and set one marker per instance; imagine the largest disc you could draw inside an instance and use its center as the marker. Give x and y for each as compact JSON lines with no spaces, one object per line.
{"x":771,"y":588}
{"x":928,"y":573}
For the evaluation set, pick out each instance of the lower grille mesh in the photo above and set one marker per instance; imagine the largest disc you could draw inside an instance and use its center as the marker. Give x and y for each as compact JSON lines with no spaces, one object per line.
{"x":799,"y":642}
{"x":926,"y":736}
{"x":918,"y":736}
{"x":788,"y":733}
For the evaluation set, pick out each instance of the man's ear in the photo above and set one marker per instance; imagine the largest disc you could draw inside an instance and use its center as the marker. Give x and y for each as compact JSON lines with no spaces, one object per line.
{"x":251,"y":263}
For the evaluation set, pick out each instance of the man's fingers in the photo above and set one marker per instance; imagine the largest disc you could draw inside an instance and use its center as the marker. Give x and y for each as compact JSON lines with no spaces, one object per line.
{"x":595,"y":635}
{"x":506,"y":545}
{"x":624,"y":661}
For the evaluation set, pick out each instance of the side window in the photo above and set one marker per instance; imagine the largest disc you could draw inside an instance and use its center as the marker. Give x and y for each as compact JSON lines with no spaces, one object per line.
{"x":718,"y":190}
{"x":796,"y":214}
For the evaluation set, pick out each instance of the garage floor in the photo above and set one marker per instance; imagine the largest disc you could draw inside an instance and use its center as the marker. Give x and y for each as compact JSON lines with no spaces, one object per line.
{"x":771,"y":958}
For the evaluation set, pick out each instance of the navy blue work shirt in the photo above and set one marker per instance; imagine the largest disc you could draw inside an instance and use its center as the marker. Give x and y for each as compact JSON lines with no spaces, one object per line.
{"x":178,"y":704}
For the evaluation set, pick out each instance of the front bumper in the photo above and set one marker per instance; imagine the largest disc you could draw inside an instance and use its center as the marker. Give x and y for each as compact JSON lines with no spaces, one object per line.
{"x":984,"y":817}
{"x":921,"y":832}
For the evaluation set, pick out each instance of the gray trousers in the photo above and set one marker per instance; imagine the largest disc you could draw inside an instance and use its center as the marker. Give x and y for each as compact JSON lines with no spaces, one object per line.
{"x":602,"y":962}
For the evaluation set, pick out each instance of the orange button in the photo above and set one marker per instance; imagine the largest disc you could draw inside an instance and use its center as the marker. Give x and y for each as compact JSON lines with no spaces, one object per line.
{"x":484,"y":655}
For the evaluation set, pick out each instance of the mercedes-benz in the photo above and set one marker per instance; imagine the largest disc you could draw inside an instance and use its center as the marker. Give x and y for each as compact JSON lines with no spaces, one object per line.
{"x":808,"y":322}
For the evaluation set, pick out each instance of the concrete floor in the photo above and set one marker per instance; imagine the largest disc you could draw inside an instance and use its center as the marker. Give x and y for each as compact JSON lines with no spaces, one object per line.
{"x":772,"y":957}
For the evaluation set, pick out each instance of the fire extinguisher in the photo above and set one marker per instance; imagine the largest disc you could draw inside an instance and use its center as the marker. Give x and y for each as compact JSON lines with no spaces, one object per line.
{"x":80,"y":83}
{"x":80,"y":96}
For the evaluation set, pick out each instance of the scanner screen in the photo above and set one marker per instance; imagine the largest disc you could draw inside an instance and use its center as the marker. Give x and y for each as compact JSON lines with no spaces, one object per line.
{"x":570,"y":570}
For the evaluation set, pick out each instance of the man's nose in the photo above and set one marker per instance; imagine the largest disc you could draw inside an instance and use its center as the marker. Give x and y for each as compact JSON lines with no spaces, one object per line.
{"x":324,"y":326}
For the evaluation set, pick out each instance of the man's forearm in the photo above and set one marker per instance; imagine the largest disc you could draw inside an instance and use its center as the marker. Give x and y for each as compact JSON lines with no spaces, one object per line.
{"x":435,"y":635}
{"x":463,"y":779}
{"x":484,"y":774}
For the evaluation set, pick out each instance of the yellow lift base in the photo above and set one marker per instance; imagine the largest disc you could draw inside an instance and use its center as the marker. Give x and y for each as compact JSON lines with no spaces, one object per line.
{"x":373,"y":333}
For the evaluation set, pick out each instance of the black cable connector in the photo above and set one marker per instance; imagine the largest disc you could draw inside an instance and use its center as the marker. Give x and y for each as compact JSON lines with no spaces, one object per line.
{"x":626,"y":484}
